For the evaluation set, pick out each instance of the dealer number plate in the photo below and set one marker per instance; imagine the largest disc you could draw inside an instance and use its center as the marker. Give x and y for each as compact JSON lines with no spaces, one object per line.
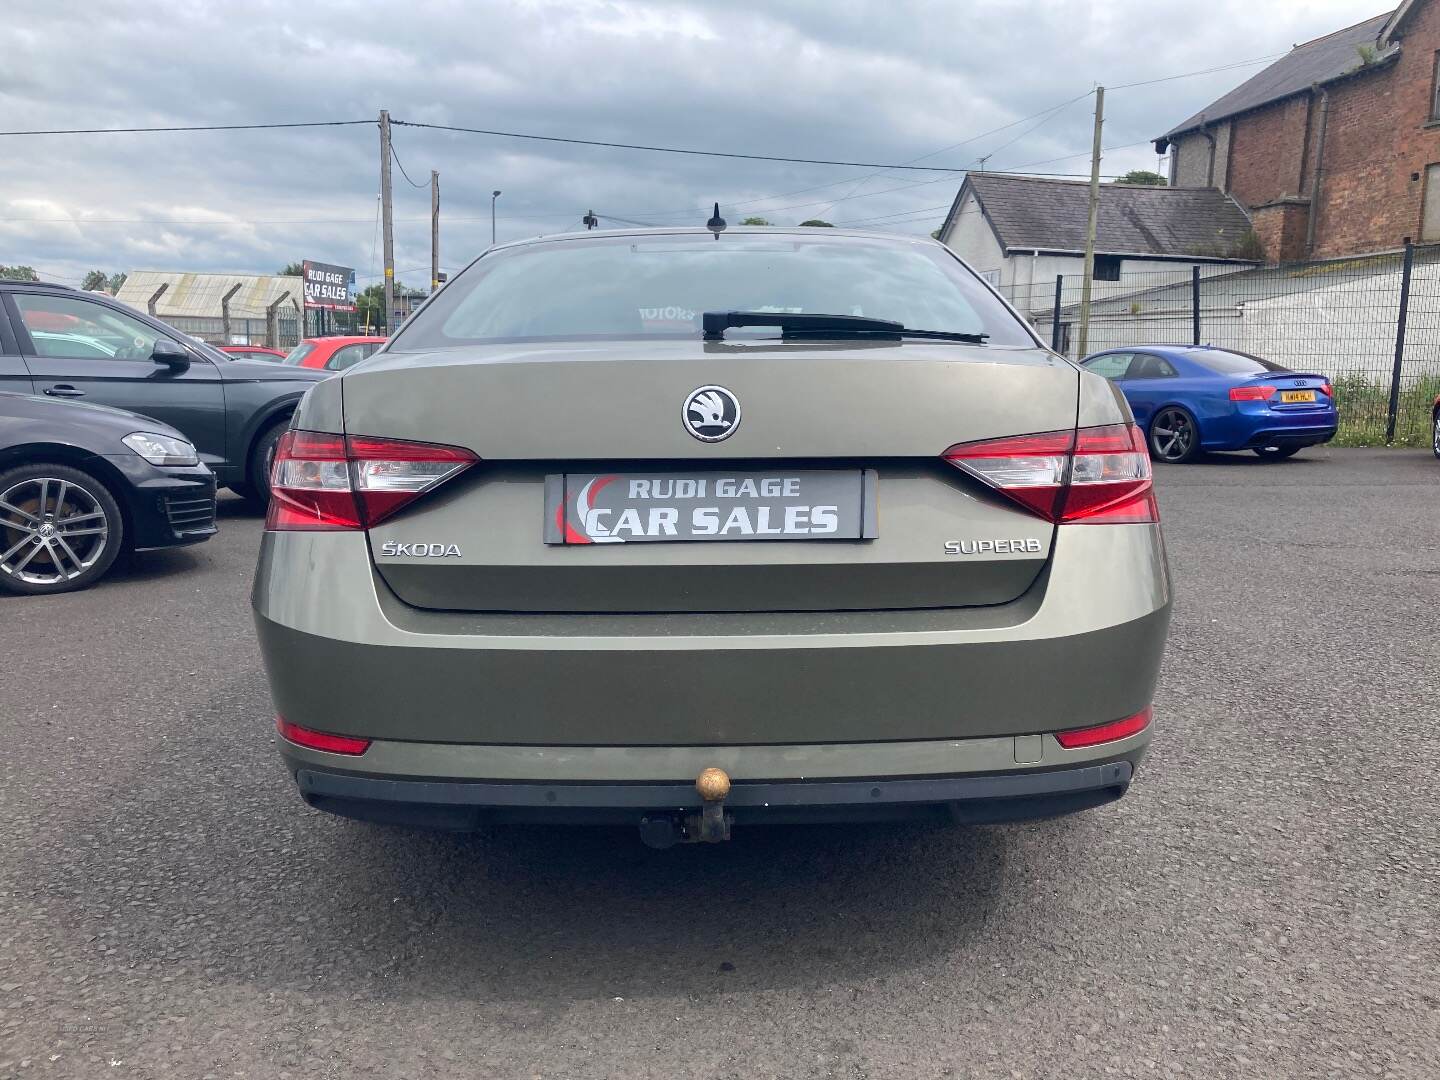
{"x":627,"y":508}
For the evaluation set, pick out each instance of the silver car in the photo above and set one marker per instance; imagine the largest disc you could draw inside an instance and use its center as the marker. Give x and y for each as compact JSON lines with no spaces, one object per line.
{"x":692,"y":530}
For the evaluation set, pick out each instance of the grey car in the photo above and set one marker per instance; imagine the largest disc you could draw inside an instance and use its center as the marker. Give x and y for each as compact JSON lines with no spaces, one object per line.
{"x":80,"y":346}
{"x":691,"y":531}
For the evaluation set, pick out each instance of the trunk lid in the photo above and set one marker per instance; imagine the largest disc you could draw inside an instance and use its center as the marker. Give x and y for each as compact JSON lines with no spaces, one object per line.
{"x":876,"y":416}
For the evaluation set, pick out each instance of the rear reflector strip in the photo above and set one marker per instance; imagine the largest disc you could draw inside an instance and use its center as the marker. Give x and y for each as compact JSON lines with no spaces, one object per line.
{"x":1103,"y":733}
{"x":319,"y":740}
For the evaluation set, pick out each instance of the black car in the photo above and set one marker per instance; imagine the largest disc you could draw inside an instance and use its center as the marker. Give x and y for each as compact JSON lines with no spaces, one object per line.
{"x":80,"y":483}
{"x":64,"y":343}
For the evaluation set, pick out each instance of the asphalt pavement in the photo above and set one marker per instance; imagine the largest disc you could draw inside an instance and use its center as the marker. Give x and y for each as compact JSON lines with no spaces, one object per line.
{"x":1264,"y":903}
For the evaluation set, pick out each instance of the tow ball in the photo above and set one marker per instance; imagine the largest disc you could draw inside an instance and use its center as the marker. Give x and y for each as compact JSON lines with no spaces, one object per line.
{"x":710,"y":826}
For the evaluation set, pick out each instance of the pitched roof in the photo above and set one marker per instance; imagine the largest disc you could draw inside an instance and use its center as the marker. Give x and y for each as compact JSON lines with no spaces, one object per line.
{"x":1033,"y":214}
{"x":1323,"y":60}
{"x":200,"y":294}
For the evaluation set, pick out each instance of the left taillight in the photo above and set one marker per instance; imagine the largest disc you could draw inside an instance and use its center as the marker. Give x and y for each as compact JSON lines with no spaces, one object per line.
{"x":1098,"y":475}
{"x":334,"y":483}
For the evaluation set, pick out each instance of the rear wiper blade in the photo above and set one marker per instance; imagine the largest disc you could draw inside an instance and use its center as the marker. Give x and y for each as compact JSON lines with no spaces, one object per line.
{"x":803,"y":324}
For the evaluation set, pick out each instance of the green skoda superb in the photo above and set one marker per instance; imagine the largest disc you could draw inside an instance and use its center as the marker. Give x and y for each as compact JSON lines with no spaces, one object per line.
{"x":693,"y":530}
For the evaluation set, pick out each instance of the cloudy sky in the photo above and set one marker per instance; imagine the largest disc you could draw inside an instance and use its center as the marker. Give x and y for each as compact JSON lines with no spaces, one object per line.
{"x":885,"y":81}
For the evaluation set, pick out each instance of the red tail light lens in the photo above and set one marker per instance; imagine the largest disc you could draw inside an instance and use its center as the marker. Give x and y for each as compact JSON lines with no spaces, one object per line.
{"x":1251,"y":393}
{"x":1327,"y":389}
{"x":326,"y":483}
{"x":320,"y":740}
{"x":1103,"y":733}
{"x":1098,"y":475}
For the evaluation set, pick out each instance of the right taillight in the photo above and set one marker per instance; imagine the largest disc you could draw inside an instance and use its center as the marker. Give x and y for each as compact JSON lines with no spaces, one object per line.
{"x":326,"y":483}
{"x":1098,"y":475}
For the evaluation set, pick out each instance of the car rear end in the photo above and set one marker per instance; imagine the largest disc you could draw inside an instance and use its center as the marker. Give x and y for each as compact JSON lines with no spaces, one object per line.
{"x":1268,"y":405}
{"x":520,"y":580}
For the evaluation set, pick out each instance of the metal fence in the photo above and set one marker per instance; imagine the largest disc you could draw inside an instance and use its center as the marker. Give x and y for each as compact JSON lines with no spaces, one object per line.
{"x":242,"y":331}
{"x":1371,"y":324}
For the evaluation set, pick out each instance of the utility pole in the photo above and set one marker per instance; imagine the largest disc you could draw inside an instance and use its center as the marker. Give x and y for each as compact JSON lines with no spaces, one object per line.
{"x":434,"y":230}
{"x":387,"y":223}
{"x":1089,"y":279}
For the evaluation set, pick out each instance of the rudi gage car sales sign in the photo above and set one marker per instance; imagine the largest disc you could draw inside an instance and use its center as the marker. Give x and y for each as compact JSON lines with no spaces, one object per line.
{"x":614,"y":508}
{"x":329,"y":287}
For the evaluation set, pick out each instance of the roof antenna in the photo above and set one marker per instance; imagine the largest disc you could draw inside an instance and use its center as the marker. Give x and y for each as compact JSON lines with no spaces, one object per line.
{"x":717,"y":223}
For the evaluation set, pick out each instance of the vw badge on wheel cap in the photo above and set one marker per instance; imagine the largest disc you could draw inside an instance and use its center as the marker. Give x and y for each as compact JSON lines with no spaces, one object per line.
{"x":711,"y":413}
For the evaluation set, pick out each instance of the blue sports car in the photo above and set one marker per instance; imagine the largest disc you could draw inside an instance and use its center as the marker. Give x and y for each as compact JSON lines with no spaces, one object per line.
{"x":1194,"y":398}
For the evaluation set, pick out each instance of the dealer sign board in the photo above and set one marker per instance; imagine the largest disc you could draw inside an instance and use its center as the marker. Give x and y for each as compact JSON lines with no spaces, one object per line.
{"x":619,"y":508}
{"x":329,"y":287}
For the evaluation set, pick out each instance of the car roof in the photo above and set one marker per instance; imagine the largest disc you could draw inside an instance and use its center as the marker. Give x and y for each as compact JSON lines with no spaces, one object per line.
{"x":1165,"y":350}
{"x":810,"y":231}
{"x":37,"y":284}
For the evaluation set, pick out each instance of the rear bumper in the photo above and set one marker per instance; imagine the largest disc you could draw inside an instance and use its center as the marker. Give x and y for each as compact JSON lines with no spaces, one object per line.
{"x":1270,"y":427}
{"x":469,"y":804}
{"x":1081,"y":647}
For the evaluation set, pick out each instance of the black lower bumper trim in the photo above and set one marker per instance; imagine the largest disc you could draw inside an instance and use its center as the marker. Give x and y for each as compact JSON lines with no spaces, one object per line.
{"x":460,"y":804}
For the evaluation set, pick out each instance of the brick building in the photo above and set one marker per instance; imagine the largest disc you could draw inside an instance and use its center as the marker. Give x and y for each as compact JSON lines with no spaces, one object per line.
{"x":1335,"y":148}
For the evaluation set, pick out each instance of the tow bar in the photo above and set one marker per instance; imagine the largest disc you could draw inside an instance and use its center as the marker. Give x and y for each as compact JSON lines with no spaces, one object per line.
{"x":710,"y":826}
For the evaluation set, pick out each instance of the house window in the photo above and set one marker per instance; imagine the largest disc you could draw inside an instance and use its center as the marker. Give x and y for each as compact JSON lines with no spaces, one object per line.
{"x":1107,"y":267}
{"x":1430,"y":208}
{"x":1435,"y":89}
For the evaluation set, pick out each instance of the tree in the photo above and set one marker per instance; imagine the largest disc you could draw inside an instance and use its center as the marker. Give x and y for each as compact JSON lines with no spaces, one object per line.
{"x":370,"y":306}
{"x":816,"y":223}
{"x":116,"y":280}
{"x":756,"y":221}
{"x":293,"y":269}
{"x":18,"y":273}
{"x":95,"y":280}
{"x":1145,"y":177}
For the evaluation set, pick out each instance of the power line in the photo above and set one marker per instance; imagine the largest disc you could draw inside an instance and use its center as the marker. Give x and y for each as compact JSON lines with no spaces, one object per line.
{"x":673,"y":149}
{"x":189,"y":127}
{"x":1205,"y":71}
{"x":403,"y":173}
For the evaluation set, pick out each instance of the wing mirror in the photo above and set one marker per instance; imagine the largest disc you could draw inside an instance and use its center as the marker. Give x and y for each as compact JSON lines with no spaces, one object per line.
{"x":171,"y":354}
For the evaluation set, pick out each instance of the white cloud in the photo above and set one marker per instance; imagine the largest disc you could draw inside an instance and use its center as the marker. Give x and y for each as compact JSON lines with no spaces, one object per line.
{"x":864,"y":81}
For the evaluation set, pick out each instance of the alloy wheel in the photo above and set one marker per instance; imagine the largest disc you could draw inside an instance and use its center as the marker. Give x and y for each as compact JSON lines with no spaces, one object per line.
{"x":1435,"y":435}
{"x":1172,"y":435}
{"x":51,"y":530}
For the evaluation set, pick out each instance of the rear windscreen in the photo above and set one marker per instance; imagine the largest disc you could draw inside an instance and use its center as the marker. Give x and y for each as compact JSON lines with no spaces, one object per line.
{"x":658,"y":285}
{"x":298,"y":353}
{"x":1233,"y":363}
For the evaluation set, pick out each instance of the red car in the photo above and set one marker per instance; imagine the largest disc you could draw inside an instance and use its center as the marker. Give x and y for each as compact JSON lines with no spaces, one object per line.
{"x":254,"y":352}
{"x":333,"y":353}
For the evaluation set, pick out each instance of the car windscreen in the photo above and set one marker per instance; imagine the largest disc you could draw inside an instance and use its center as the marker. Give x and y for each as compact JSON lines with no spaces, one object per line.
{"x":1224,"y":362}
{"x":658,"y":286}
{"x":298,"y":353}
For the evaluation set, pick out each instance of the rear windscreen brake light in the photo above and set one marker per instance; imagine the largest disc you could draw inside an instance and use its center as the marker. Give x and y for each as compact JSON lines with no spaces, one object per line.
{"x":1097,"y":475}
{"x":327,"y":483}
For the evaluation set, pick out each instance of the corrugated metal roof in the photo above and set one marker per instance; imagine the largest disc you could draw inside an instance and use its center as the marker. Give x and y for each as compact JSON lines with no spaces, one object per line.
{"x":1051,"y":215}
{"x":1320,"y":61}
{"x":200,"y":294}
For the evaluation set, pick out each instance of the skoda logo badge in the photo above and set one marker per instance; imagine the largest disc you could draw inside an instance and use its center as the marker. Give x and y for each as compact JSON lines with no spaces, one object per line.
{"x":711,"y":413}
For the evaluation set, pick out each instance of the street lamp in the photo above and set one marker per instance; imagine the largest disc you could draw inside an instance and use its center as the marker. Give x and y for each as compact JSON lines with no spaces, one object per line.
{"x":493,"y":196}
